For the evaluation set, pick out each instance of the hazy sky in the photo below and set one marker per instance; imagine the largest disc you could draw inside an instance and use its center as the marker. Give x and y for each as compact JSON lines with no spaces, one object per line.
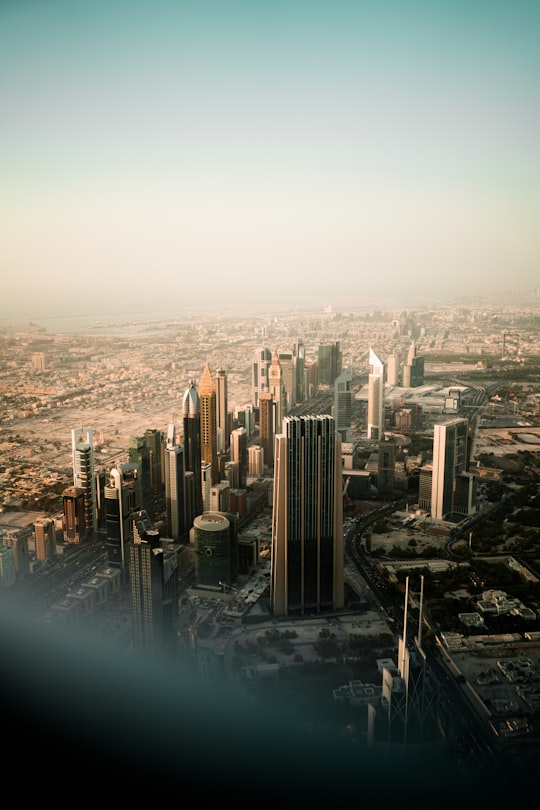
{"x":157,"y":153}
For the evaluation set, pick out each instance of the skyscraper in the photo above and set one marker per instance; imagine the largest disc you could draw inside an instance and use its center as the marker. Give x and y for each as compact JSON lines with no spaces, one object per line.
{"x":343,"y":399}
{"x":307,"y":524}
{"x":154,"y":591}
{"x":288,"y":375}
{"x":375,"y":414}
{"x":153,"y":439}
{"x":449,"y":461}
{"x":330,"y":362}
{"x":117,"y":520}
{"x":74,"y":511}
{"x":259,"y":374}
{"x":239,"y":453}
{"x":207,"y":395}
{"x":139,"y":453}
{"x":299,"y":353}
{"x":216,"y":549}
{"x":191,"y":410}
{"x":277,"y":391}
{"x":82,"y":448}
{"x":178,"y":520}
{"x":266,"y":427}
{"x":222,"y":411}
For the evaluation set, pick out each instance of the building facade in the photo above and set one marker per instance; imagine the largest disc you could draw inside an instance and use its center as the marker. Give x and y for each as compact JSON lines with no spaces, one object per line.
{"x":307,"y":525}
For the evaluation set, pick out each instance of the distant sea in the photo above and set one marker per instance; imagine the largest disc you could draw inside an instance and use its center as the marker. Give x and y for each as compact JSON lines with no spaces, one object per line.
{"x":137,"y":319}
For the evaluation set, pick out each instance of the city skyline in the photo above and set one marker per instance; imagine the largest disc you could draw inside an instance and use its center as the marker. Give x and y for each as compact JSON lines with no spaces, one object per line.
{"x":168,"y":155}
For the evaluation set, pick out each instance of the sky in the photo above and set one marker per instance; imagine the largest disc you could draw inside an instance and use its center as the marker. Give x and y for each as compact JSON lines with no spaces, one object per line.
{"x":161,"y":155}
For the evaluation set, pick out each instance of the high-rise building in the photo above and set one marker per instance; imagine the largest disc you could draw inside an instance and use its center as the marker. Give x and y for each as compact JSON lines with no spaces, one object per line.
{"x":392,"y":369}
{"x":8,"y":574}
{"x":267,"y":432}
{"x":207,"y":396}
{"x":239,"y":452}
{"x":307,"y":524}
{"x":216,"y":549}
{"x":191,"y":409}
{"x":375,"y":413}
{"x":412,"y":371}
{"x":386,"y":467}
{"x":277,"y":391}
{"x":118,"y":520}
{"x":153,"y":439}
{"x":178,"y":520}
{"x":45,"y":538}
{"x":343,"y":399}
{"x":82,"y":448}
{"x":255,"y":461}
{"x":288,"y":375}
{"x":449,"y":461}
{"x":17,"y":539}
{"x":74,"y":511}
{"x":206,"y":476}
{"x":219,"y":496}
{"x":153,"y":579}
{"x":259,"y":374}
{"x":139,"y":453}
{"x":222,"y":411}
{"x":299,"y":353}
{"x":330,"y":362}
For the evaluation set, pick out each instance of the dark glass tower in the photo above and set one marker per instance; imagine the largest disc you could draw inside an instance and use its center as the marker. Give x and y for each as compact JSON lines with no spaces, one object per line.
{"x":307,"y":524}
{"x":192,"y":441}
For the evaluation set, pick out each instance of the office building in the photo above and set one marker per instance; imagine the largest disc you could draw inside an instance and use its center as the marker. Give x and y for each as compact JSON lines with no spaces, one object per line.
{"x":299,"y":354}
{"x":255,"y":461}
{"x":153,"y":575}
{"x":412,"y":371}
{"x":82,"y":448}
{"x":74,"y":515}
{"x":139,"y":453}
{"x":179,"y":508}
{"x":375,"y":410}
{"x":223,"y":417}
{"x":153,"y":439}
{"x":450,"y":440}
{"x":17,"y":540}
{"x":118,"y":520}
{"x":207,"y":396}
{"x":330,"y":362}
{"x":307,"y":525}
{"x":239,"y":453}
{"x":216,"y":549}
{"x":267,"y":421}
{"x":288,"y":375}
{"x":386,"y":467}
{"x":393,"y":369}
{"x":259,"y":374}
{"x":8,"y":574}
{"x":343,"y":400}
{"x":206,"y":477}
{"x":219,"y":497}
{"x":191,"y":411}
{"x":277,"y":391}
{"x":45,"y":538}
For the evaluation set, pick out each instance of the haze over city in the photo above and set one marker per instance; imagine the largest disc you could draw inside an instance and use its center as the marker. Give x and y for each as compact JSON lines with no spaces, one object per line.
{"x":160,"y":156}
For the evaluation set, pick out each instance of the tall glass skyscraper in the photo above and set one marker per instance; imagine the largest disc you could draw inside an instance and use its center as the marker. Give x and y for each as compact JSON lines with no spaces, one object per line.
{"x":307,"y":523}
{"x":375,"y":414}
{"x":82,"y":448}
{"x":191,"y":412}
{"x":449,"y":462}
